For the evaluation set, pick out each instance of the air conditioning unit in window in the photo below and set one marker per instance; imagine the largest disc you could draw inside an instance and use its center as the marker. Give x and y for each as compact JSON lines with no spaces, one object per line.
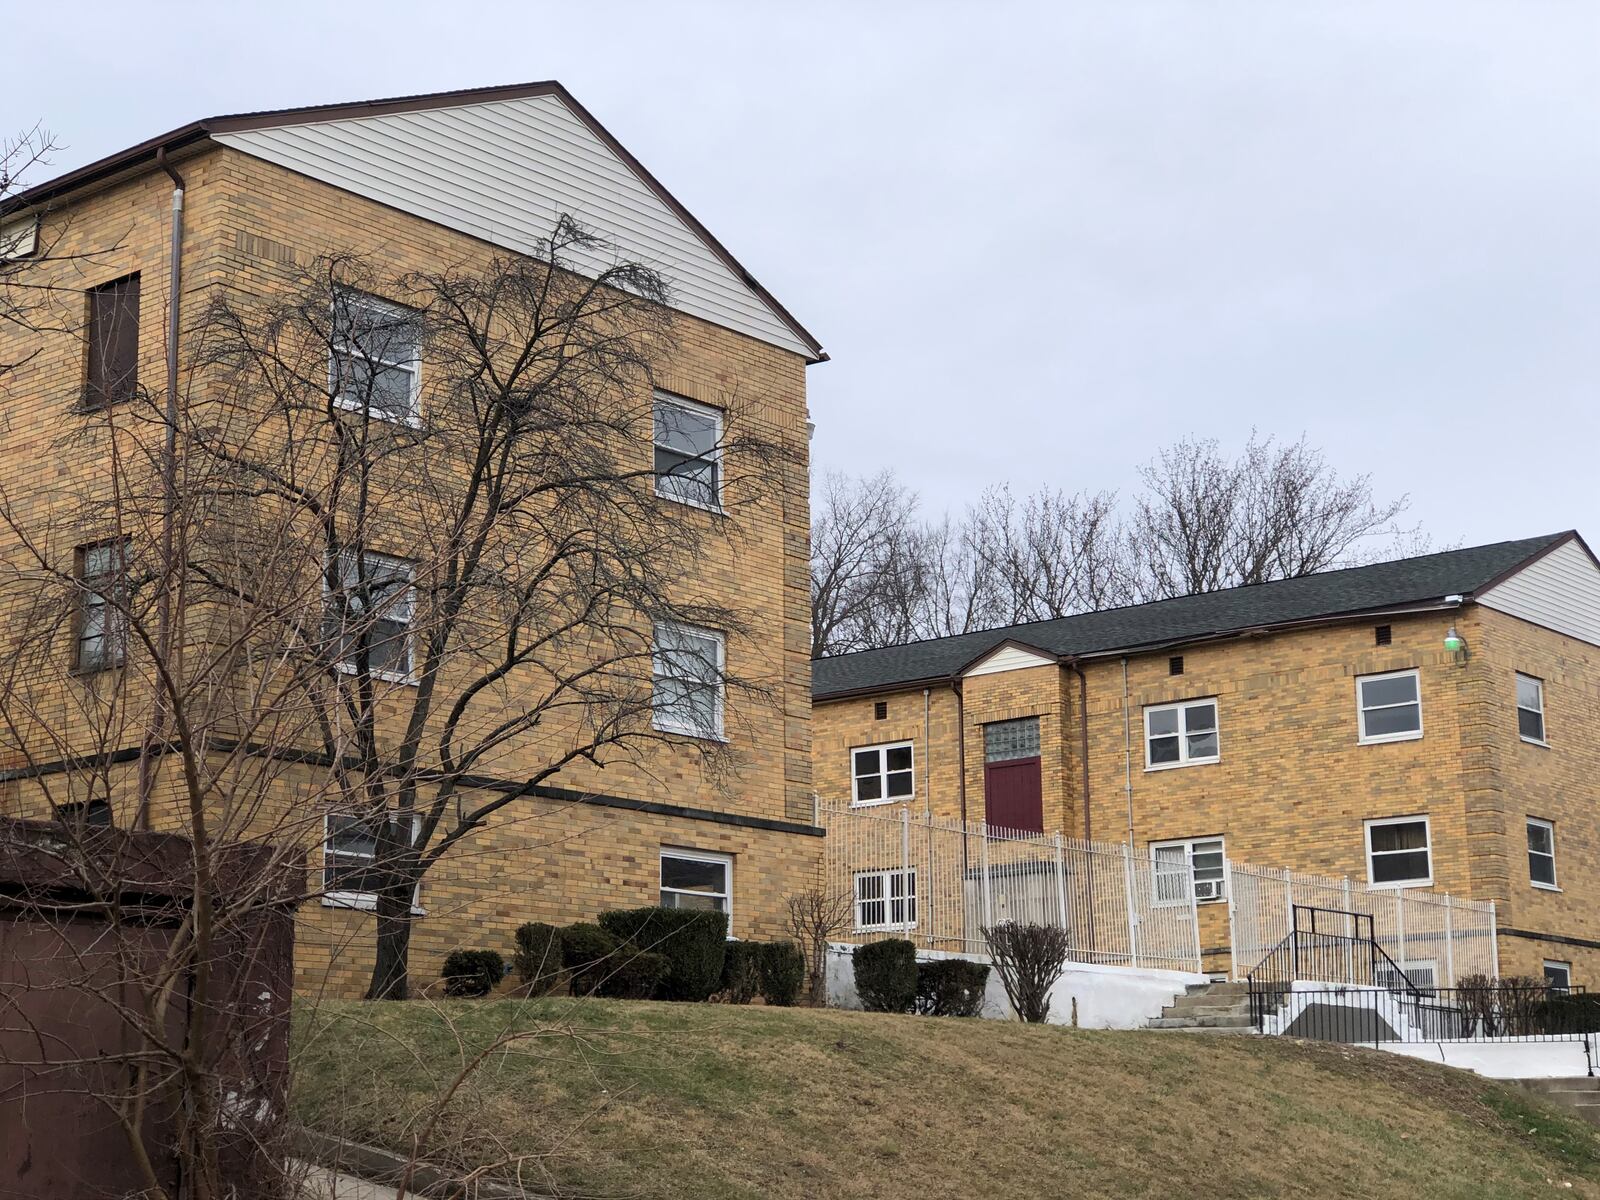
{"x":1208,"y":889}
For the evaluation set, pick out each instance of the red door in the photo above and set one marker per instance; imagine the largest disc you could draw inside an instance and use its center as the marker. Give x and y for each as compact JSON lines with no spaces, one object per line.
{"x":1013,"y":795}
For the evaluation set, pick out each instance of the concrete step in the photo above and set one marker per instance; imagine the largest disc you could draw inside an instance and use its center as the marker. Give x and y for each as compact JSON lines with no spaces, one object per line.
{"x":1223,"y":1030}
{"x":1580,"y":1084}
{"x":1227,"y":988}
{"x":1230,"y":1021}
{"x":1205,"y":1010}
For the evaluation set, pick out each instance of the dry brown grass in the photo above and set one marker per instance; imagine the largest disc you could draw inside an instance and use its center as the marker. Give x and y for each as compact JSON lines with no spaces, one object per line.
{"x":660,"y":1100}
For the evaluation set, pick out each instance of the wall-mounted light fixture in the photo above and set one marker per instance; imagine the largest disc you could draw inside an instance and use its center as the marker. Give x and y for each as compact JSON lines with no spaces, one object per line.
{"x":1453,"y":641}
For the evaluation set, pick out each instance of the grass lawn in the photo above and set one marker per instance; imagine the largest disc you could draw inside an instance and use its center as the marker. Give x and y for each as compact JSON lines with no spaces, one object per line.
{"x":611,"y":1098}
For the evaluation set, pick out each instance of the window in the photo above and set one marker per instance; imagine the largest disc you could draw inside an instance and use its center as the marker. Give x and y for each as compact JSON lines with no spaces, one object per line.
{"x":88,"y":813}
{"x":880,"y":774}
{"x":1390,"y":707}
{"x":1175,"y":861}
{"x":1558,"y":975}
{"x":1398,"y":852}
{"x":1541,"y":853}
{"x":687,"y":692}
{"x":102,"y":625}
{"x":371,"y":614}
{"x":112,"y":374}
{"x":19,"y":237}
{"x":349,"y":846}
{"x":693,"y":879}
{"x":688,"y":439}
{"x":1422,"y":975}
{"x":1006,"y":741}
{"x":375,"y":358}
{"x":1382,"y":635}
{"x":1530,"y":709}
{"x":886,"y":899}
{"x":1177,"y":735}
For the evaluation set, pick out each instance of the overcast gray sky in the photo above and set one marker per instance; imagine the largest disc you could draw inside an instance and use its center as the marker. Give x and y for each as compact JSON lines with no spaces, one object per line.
{"x":1042,"y":240}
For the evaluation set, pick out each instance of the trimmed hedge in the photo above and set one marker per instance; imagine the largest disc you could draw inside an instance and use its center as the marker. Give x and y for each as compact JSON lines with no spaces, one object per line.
{"x":538,"y":957}
{"x":472,"y":972}
{"x":951,"y":987}
{"x":886,"y":975}
{"x":782,"y":968}
{"x":633,"y":975}
{"x":694,"y":941}
{"x":741,"y":973}
{"x":586,"y":952}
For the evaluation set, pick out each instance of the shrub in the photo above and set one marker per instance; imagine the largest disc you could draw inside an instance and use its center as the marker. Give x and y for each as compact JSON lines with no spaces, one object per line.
{"x":586,"y":952}
{"x":951,"y":987}
{"x":886,"y":975}
{"x":472,"y":972}
{"x":1029,"y":959}
{"x":632,"y":975}
{"x":741,"y":974}
{"x":782,"y":970}
{"x":694,"y":941}
{"x":538,"y":956}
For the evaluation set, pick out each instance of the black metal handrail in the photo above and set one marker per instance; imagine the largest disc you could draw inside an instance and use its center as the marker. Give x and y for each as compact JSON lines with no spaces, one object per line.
{"x":1309,"y":954}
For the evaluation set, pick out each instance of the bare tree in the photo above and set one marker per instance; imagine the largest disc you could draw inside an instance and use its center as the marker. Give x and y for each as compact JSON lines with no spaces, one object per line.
{"x":815,"y":917}
{"x":1206,"y":522}
{"x":865,"y":570}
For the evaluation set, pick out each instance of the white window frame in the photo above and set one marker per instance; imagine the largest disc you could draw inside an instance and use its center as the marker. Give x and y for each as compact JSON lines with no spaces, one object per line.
{"x":341,"y":347}
{"x":907,"y":901}
{"x":1564,"y":967}
{"x":725,"y":861}
{"x":366,"y":901}
{"x":1555,"y":876}
{"x":715,"y":457}
{"x":1362,"y":709}
{"x":661,"y":719}
{"x":408,"y":605}
{"x":1182,"y":707}
{"x":1217,"y":894}
{"x":883,"y":749}
{"x":1427,"y":832}
{"x":1544,"y":729}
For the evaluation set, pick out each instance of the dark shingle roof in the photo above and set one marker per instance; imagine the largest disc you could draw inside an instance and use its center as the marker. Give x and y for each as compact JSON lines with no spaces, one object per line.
{"x":1429,"y":577}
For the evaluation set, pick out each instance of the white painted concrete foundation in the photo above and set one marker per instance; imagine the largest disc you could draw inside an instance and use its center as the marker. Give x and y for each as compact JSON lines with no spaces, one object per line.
{"x":1088,"y":995}
{"x":1503,"y":1060}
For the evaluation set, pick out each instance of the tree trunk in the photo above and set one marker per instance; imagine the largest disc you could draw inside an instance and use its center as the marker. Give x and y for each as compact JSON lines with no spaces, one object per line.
{"x":393,"y":949}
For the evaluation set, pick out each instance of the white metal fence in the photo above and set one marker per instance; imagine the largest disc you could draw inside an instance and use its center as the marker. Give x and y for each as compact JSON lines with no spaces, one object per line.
{"x":1433,"y":937}
{"x":939,"y":883}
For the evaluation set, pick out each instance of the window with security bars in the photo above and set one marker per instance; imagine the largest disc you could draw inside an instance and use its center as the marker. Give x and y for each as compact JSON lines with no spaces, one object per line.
{"x":374,"y":364}
{"x":881,"y":774}
{"x":688,"y":440}
{"x":1004,"y":741}
{"x":886,"y":900}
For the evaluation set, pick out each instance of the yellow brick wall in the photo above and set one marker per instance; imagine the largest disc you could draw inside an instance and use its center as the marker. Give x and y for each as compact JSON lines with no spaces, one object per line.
{"x":250,"y":226}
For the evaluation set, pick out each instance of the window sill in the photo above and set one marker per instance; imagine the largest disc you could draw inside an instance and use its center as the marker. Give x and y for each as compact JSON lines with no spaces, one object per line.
{"x":409,"y":421}
{"x":407,"y":680}
{"x":362,"y":901}
{"x":1388,"y":738}
{"x":887,"y":803}
{"x":1400,"y":887}
{"x":1193,"y":762}
{"x":1544,"y":887}
{"x":715,"y":510}
{"x":698,"y":735}
{"x":1543,"y":745}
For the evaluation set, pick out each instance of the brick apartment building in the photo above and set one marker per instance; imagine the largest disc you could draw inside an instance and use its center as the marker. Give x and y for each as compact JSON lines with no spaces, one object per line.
{"x":1423,"y":723}
{"x":412,"y":185}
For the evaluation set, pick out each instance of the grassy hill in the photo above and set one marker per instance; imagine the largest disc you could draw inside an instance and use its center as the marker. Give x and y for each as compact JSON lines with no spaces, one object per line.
{"x":655,"y":1100}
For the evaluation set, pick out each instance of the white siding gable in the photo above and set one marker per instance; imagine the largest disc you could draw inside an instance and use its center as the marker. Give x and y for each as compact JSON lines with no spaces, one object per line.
{"x":503,"y":171}
{"x":1008,"y":658}
{"x":1560,"y":591}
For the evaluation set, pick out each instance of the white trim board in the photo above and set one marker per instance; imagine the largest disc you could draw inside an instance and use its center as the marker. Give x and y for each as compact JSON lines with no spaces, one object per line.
{"x":1560,"y":591}
{"x":503,"y":171}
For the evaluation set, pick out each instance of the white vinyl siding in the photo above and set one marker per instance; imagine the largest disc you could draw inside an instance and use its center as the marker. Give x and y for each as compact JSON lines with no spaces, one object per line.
{"x":1180,"y":735}
{"x":1399,"y":852}
{"x":1542,"y":854}
{"x":697,"y":879}
{"x":1560,"y":591}
{"x":1530,"y":709}
{"x":882,"y":774}
{"x":1009,"y":658}
{"x":1389,"y":707}
{"x":504,"y":171}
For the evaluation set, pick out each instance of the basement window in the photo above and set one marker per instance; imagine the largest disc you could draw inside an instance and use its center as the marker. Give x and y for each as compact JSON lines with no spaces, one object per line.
{"x":1399,"y":852}
{"x":697,"y":879}
{"x":1176,"y":862}
{"x":1558,"y":975}
{"x":1180,"y":735}
{"x":886,"y":900}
